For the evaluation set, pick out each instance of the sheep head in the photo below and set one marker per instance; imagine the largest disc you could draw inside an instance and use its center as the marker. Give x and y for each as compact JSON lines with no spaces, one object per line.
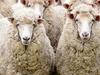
{"x":25,"y":27}
{"x":84,"y":22}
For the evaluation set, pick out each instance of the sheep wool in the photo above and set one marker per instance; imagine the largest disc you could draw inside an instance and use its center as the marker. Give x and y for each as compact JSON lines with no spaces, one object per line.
{"x":75,"y":57}
{"x":37,"y":59}
{"x":55,"y":17}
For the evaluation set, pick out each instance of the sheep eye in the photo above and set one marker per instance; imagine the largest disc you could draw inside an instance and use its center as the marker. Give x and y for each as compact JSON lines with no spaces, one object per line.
{"x":34,"y":25}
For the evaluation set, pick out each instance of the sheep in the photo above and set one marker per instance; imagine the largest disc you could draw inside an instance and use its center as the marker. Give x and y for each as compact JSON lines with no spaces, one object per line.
{"x":29,"y":54}
{"x":78,"y":49}
{"x":5,"y":10}
{"x":39,"y":6}
{"x":55,"y":17}
{"x":5,"y":43}
{"x":54,"y":10}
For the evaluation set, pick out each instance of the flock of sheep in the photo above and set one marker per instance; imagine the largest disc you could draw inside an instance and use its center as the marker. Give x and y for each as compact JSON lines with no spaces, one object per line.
{"x":44,"y":37}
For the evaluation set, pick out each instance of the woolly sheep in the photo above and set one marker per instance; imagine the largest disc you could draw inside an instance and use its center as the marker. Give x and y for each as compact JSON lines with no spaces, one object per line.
{"x":50,"y":15}
{"x":55,"y":17}
{"x":6,"y":32}
{"x":37,"y":59}
{"x":75,"y":57}
{"x":40,"y":6}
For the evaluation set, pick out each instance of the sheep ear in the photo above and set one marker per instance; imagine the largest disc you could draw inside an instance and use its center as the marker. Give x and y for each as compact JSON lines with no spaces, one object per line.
{"x":97,"y":18}
{"x":23,"y":2}
{"x":11,"y":19}
{"x":50,"y":2}
{"x":71,"y":16}
{"x":66,"y":6}
{"x":58,"y":2}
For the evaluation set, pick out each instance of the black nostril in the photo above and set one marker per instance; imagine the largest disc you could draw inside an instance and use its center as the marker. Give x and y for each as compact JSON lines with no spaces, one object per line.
{"x":85,"y":34}
{"x":26,"y":38}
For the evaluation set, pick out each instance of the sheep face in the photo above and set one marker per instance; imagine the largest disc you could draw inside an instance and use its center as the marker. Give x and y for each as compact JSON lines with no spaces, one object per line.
{"x":39,"y":6}
{"x":38,"y":10}
{"x":25,"y":33}
{"x":84,"y":22}
{"x":25,"y":29}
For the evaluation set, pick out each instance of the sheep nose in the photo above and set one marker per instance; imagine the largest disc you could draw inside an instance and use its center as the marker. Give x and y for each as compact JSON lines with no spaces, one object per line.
{"x":66,"y":6}
{"x":26,"y":38}
{"x":85,"y":34}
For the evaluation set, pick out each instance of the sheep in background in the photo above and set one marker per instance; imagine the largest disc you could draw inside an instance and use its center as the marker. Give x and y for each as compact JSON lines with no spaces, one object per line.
{"x":7,"y":30}
{"x":5,"y":10}
{"x":39,"y":6}
{"x":54,"y":15}
{"x":79,"y":46}
{"x":70,"y":4}
{"x":26,"y":48}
